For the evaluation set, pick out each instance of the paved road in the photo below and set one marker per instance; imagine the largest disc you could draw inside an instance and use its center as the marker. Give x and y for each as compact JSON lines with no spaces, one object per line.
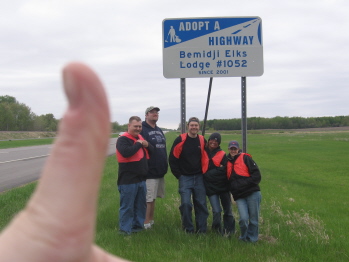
{"x":22,"y":165}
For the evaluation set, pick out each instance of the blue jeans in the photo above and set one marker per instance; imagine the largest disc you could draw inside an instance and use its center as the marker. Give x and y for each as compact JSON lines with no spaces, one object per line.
{"x":133,"y":206}
{"x":216,"y":201}
{"x":193,"y":187}
{"x":249,"y":216}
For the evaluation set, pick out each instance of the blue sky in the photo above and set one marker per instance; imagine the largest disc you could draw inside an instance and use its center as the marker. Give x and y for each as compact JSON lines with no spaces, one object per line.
{"x":305,"y":49}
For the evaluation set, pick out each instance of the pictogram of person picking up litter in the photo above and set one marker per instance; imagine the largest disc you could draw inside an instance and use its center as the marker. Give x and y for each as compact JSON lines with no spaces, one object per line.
{"x":173,"y":37}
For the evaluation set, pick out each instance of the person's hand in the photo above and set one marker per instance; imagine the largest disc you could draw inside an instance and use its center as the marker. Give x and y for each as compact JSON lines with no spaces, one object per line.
{"x":58,"y":222}
{"x":143,"y":142}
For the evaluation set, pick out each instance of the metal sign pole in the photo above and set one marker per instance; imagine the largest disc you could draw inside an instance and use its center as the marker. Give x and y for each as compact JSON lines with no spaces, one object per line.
{"x":243,"y":114}
{"x":183,"y":106}
{"x":207,"y":105}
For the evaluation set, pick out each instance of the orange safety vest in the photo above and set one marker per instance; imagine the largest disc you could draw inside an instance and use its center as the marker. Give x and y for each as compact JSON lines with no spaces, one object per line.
{"x":217,"y":159}
{"x":204,"y":158}
{"x":136,"y":157}
{"x":239,"y":166}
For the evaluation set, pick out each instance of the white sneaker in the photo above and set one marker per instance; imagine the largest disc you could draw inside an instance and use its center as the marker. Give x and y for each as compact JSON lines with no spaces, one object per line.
{"x":147,"y":226}
{"x":151,"y":222}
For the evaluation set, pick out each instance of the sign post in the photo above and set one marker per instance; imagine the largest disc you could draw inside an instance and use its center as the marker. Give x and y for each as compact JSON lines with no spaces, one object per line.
{"x":182,"y":105}
{"x":213,"y":47}
{"x":243,"y":114}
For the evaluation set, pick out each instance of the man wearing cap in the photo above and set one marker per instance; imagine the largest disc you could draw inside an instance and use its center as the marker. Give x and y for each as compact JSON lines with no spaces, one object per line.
{"x":217,"y":187}
{"x":244,"y":178}
{"x":157,"y":163}
{"x":186,"y":158}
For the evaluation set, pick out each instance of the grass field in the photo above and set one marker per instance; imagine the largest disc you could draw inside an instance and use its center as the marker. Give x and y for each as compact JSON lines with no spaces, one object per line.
{"x":27,"y":142}
{"x":20,"y":139}
{"x":304,"y":210}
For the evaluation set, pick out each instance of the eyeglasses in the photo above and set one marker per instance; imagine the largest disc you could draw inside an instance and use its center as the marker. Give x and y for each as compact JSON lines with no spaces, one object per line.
{"x":233,"y":148}
{"x":154,"y":112}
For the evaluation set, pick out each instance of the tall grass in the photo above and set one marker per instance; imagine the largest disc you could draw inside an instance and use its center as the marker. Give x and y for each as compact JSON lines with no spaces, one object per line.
{"x":304,"y":210}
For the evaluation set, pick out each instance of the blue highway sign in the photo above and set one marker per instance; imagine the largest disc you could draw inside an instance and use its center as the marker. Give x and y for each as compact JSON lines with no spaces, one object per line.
{"x":212,"y":47}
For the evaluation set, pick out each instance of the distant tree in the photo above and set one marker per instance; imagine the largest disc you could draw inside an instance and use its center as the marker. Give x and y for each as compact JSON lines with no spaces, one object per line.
{"x":38,"y":123}
{"x":50,"y":122}
{"x":116,"y":127}
{"x":345,"y":121}
{"x":14,"y":116}
{"x":45,"y":122}
{"x":6,"y":117}
{"x":7,"y":99}
{"x":23,"y":117}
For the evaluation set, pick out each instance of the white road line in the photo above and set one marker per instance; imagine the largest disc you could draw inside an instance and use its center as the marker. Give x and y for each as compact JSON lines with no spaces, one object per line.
{"x":23,"y":159}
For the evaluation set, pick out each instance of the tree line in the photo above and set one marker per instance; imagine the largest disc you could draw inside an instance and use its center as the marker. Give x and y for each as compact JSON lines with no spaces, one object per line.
{"x":278,"y":122}
{"x":15,"y":116}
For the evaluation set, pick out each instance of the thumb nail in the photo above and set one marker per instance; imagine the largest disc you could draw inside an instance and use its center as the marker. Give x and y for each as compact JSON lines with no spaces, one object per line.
{"x":71,"y":87}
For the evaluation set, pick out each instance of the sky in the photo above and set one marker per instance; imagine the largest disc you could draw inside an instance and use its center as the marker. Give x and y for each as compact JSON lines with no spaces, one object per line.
{"x":305,"y":53}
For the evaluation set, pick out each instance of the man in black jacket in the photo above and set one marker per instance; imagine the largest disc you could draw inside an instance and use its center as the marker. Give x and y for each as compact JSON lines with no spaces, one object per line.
{"x":157,"y":163}
{"x":186,"y":158}
{"x":132,"y":152}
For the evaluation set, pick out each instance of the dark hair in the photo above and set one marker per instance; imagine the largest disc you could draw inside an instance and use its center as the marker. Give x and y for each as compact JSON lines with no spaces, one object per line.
{"x":193,"y":119}
{"x":137,"y":118}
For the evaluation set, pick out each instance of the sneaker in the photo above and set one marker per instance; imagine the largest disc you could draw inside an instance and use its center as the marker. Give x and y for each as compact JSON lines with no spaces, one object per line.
{"x":151,"y":222}
{"x":147,"y":226}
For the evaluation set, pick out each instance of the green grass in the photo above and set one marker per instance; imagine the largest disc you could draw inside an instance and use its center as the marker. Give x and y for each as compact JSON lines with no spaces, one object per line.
{"x":13,"y":201}
{"x":304,"y":210}
{"x":31,"y":142}
{"x":27,"y":142}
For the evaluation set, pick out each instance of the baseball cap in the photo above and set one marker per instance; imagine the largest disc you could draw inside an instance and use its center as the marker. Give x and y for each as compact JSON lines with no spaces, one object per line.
{"x":151,"y":108}
{"x":233,"y":143}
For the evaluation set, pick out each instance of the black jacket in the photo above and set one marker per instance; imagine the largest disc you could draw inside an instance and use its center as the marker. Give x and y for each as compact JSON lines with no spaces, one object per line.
{"x":242,"y":186}
{"x":158,"y":160}
{"x":189,"y":162}
{"x":131,"y":172}
{"x":215,"y":179}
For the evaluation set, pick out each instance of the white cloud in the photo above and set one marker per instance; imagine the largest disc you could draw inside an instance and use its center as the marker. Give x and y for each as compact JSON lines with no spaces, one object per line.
{"x":305,"y":56}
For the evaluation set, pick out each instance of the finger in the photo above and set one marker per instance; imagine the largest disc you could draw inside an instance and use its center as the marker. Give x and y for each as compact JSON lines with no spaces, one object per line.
{"x":59,"y":220}
{"x":70,"y":180}
{"x":61,"y":213}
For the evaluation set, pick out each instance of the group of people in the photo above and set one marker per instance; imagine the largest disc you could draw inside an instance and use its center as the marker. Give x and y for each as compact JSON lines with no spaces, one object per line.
{"x":202,"y":169}
{"x":59,"y":219}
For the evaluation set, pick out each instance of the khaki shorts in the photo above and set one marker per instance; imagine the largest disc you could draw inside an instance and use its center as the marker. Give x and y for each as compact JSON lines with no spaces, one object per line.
{"x":155,"y":188}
